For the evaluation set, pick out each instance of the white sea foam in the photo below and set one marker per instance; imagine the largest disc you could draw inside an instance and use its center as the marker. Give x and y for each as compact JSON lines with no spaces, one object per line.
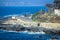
{"x":10,"y":15}
{"x":32,"y":32}
{"x":27,"y":32}
{"x":21,"y":15}
{"x":13,"y":15}
{"x":36,"y":32}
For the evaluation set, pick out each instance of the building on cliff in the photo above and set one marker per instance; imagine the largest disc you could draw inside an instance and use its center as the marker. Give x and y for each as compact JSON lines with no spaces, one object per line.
{"x":54,"y":8}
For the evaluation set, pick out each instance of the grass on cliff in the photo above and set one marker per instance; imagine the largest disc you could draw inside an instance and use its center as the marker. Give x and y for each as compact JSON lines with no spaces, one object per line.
{"x":46,"y":17}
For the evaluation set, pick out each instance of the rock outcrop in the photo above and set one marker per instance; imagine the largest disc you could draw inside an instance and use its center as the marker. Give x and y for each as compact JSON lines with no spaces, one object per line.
{"x":19,"y":24}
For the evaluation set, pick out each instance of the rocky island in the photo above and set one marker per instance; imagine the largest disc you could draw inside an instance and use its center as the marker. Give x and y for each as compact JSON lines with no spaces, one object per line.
{"x":49,"y":22}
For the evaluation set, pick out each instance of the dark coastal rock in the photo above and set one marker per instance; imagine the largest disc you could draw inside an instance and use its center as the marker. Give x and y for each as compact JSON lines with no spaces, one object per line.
{"x":52,"y":32}
{"x":19,"y":28}
{"x":34,"y":29}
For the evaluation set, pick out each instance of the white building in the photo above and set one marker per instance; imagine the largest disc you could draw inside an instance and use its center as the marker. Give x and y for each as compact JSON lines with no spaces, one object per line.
{"x":57,"y":12}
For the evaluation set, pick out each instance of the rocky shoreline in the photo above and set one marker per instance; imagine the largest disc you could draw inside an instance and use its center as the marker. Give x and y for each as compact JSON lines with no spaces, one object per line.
{"x":52,"y":32}
{"x":11,"y":27}
{"x":26,"y":24}
{"x":18,"y":28}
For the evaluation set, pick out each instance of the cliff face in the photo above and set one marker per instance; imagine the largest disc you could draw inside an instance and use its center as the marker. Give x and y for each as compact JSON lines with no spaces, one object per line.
{"x":26,"y":22}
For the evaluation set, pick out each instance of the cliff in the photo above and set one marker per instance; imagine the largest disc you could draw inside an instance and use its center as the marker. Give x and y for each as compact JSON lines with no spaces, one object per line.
{"x":47,"y":18}
{"x":25,"y":23}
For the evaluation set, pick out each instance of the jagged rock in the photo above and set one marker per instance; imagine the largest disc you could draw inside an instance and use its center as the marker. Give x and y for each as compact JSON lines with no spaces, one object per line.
{"x":52,"y":32}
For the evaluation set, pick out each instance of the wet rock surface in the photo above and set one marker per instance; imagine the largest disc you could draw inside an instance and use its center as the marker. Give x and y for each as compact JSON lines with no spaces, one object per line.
{"x":52,"y":31}
{"x":11,"y":27}
{"x":18,"y":28}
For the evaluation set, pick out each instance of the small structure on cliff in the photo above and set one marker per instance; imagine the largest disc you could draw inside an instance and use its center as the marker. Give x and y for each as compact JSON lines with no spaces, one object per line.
{"x":54,"y":8}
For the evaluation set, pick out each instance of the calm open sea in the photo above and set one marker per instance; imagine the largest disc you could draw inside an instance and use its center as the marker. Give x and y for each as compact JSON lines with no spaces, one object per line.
{"x":20,"y":10}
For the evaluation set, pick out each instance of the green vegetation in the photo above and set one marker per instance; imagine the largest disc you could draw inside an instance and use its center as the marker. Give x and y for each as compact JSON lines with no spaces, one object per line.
{"x":36,"y":16}
{"x":46,"y":17}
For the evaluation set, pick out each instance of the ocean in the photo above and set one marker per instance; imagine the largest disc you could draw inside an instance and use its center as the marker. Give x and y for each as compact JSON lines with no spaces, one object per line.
{"x":25,"y":36}
{"x":20,"y":10}
{"x":5,"y":11}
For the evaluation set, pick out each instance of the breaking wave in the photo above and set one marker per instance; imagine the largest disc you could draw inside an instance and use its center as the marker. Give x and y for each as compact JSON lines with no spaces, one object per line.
{"x":26,"y":32}
{"x":21,"y":15}
{"x":12,"y":15}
